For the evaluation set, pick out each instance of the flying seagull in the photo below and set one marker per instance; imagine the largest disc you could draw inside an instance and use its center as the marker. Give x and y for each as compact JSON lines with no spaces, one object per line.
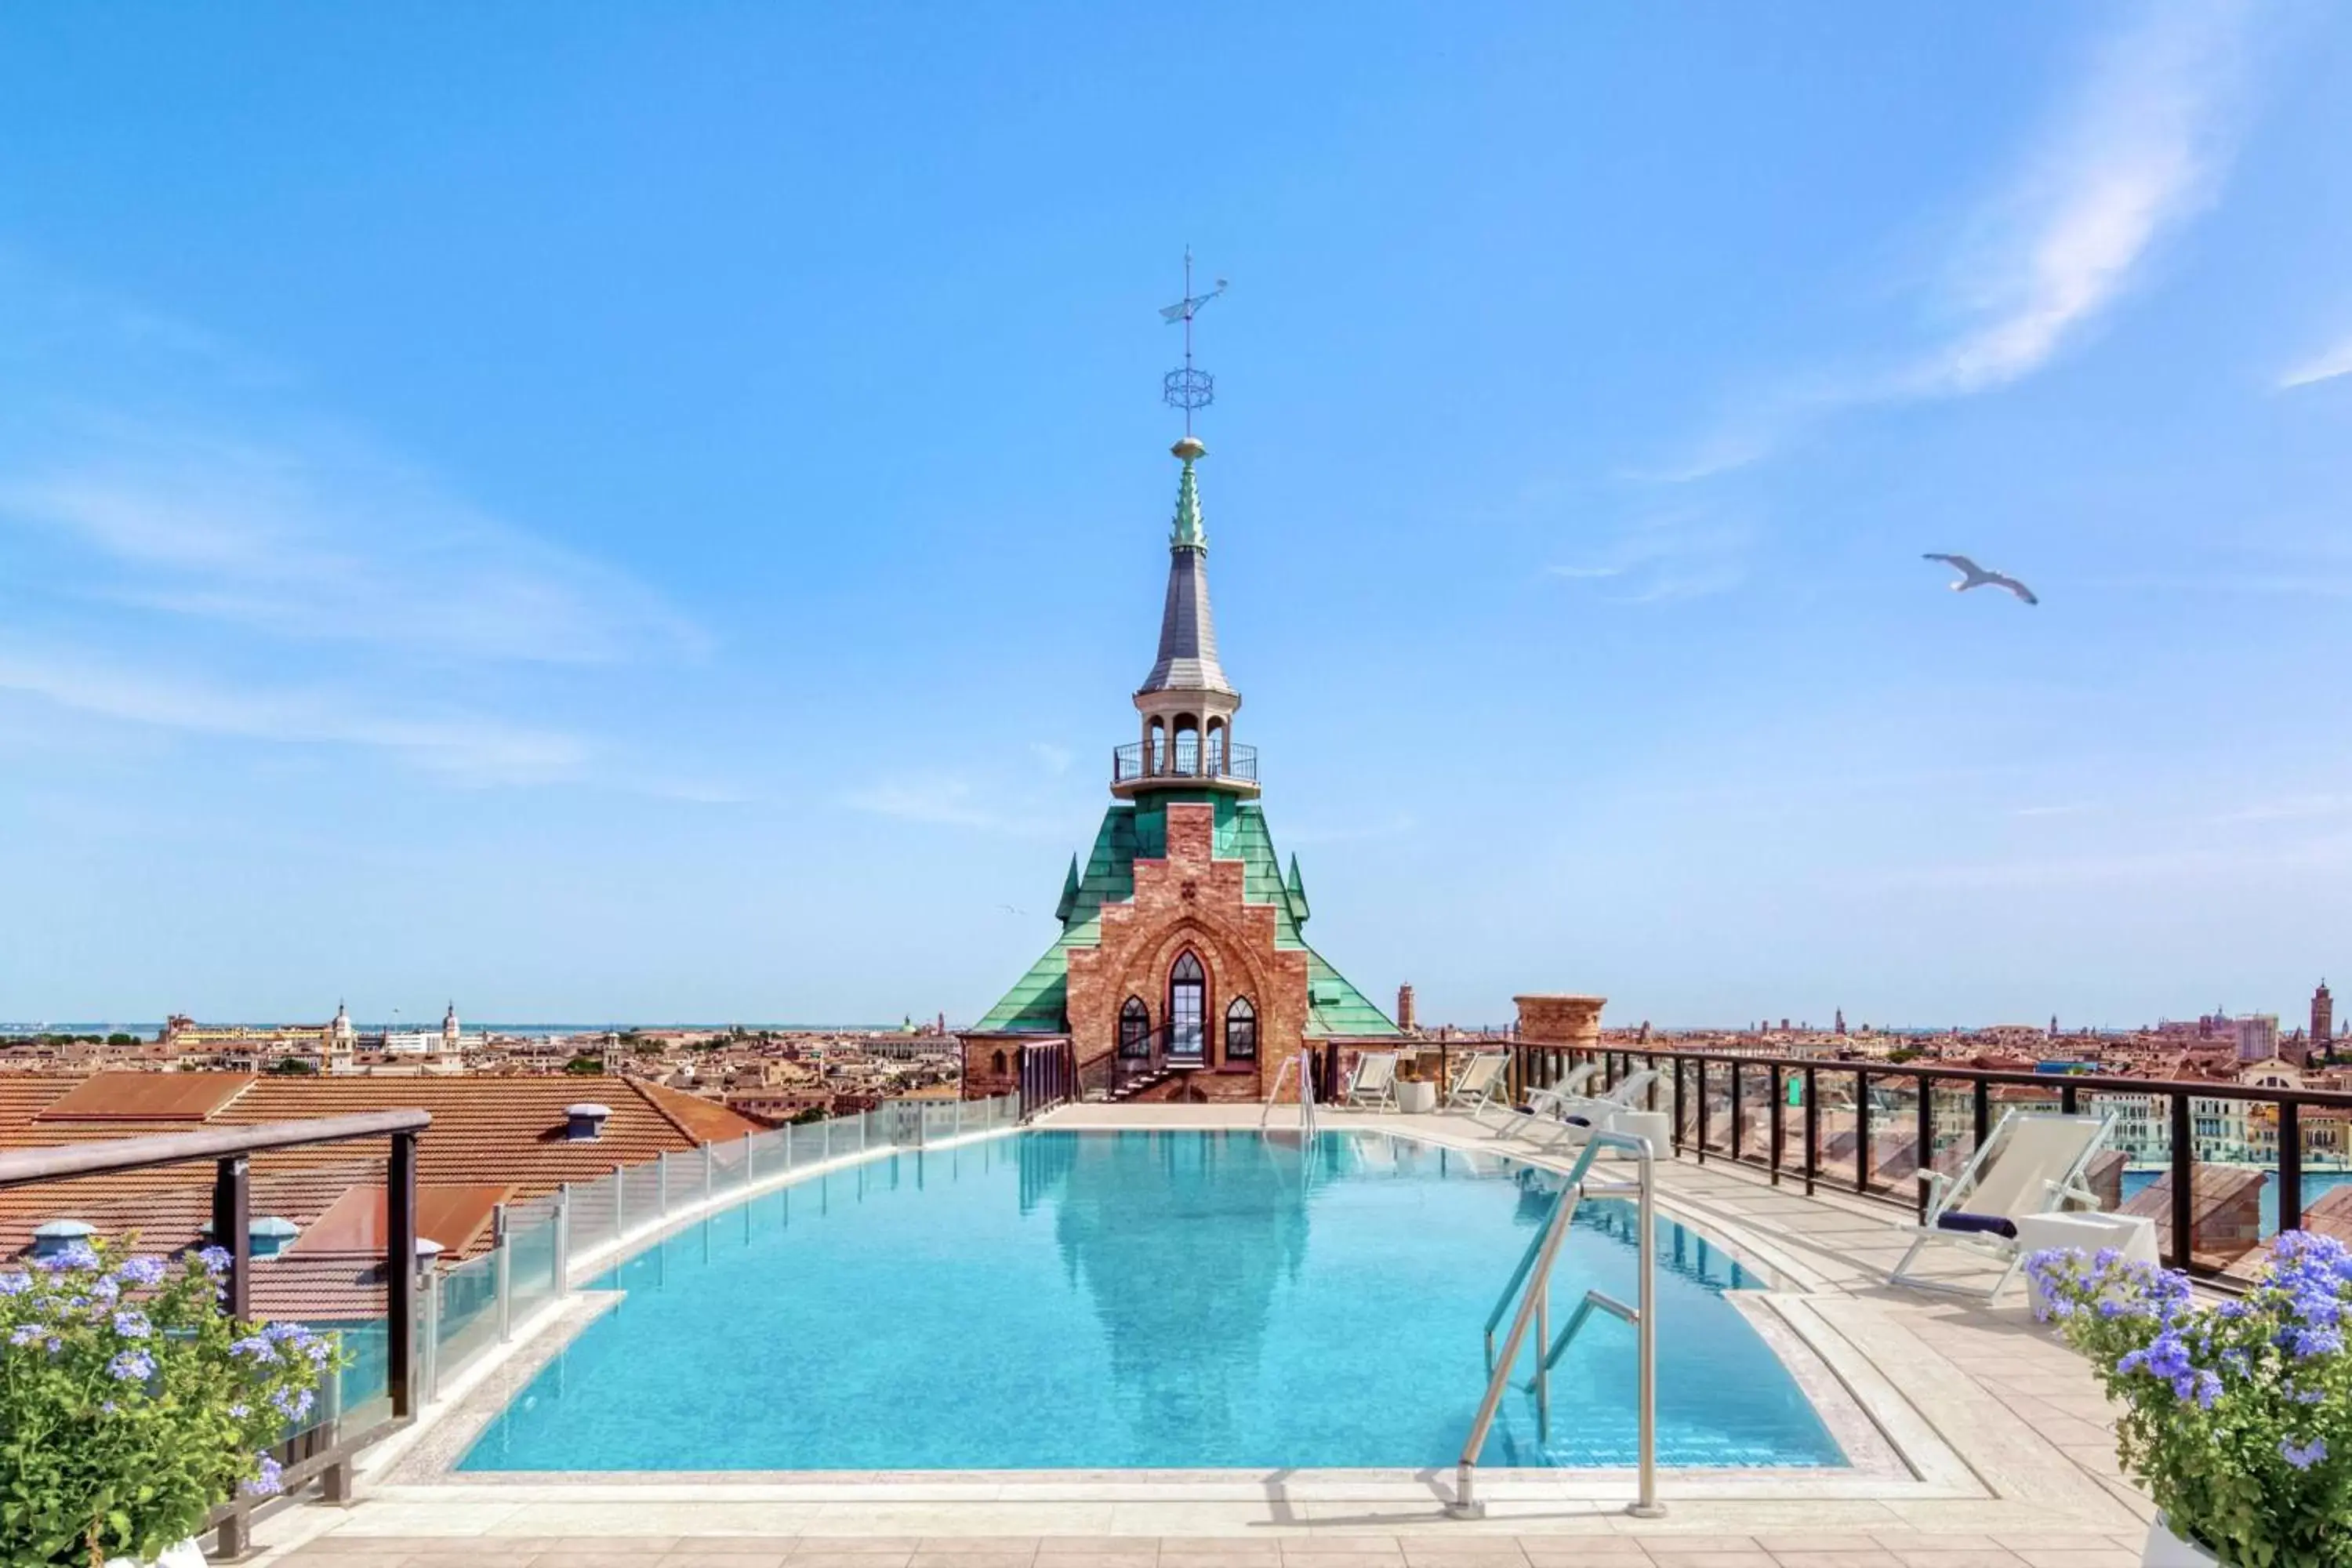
{"x":1977,"y":577}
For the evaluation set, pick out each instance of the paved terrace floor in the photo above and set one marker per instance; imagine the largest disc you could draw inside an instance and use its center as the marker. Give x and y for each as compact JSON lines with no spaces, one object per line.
{"x":1992,"y":1444}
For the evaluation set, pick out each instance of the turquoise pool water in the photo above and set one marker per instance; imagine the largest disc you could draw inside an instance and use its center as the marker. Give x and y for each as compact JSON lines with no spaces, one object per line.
{"x":1175,"y":1299}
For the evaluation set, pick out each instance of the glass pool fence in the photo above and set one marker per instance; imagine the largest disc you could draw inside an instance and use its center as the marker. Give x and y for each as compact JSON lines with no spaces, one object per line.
{"x":469,"y":1309}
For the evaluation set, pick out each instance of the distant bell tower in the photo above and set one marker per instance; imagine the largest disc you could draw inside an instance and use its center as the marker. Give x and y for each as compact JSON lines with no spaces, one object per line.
{"x":2323,"y":1017}
{"x":449,"y":1029}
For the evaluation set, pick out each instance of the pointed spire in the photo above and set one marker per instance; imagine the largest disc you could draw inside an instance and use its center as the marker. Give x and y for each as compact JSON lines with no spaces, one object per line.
{"x":1062,"y":910}
{"x":1188,"y":632}
{"x":1297,"y":891}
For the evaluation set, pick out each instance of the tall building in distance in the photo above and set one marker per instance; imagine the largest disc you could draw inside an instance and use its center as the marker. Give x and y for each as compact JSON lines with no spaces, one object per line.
{"x":2258,"y":1037}
{"x":1181,"y":968}
{"x":2323,"y":1017}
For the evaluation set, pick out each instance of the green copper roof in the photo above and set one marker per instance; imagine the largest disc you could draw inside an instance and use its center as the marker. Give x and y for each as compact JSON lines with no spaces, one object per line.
{"x":1038,"y":1001}
{"x":1187,"y":531}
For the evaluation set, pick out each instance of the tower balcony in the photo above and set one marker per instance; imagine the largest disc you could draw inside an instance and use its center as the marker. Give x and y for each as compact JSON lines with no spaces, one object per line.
{"x":1186,"y":764}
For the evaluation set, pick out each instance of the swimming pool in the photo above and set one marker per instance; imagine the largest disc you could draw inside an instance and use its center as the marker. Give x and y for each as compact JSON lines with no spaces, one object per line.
{"x":1139,"y":1299}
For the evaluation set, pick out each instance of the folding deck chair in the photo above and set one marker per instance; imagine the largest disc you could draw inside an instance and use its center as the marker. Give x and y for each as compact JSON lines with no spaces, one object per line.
{"x":2032,"y":1164}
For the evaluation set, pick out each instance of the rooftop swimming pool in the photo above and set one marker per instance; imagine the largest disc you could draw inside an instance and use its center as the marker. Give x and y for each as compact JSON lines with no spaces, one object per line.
{"x":1140,"y":1299}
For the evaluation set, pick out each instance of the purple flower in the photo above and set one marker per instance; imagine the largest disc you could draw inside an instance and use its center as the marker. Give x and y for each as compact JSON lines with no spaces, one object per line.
{"x":78,"y":1255}
{"x":267,"y":1478}
{"x":291,"y":1404}
{"x":256,"y":1346}
{"x":141,"y":1272}
{"x":15,"y":1284}
{"x":2314,"y":1342}
{"x":215,"y":1260}
{"x":2202,"y":1386}
{"x":2306,"y":1457}
{"x":240,"y":1412}
{"x":131,"y":1325}
{"x":25,"y":1333}
{"x":131,"y":1366}
{"x":108,"y":1407}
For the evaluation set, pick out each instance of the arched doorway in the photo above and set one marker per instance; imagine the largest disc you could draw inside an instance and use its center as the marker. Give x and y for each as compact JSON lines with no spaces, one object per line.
{"x":1187,"y":1007}
{"x":1134,"y":1028}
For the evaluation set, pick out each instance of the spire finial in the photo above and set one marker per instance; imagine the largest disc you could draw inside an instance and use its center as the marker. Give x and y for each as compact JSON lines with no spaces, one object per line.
{"x":1187,"y":531}
{"x":1188,"y":388}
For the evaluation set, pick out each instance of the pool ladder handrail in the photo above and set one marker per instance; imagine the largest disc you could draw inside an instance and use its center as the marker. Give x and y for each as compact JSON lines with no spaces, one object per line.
{"x":1305,"y":1094}
{"x":1533,"y":1298}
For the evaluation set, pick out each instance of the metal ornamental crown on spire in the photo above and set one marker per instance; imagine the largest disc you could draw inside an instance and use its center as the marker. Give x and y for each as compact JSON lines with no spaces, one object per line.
{"x":1188,"y":636}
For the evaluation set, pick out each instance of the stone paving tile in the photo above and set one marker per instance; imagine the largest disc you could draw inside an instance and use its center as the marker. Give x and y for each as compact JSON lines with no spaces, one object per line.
{"x":694,"y":1553}
{"x":837,"y":1544}
{"x":1716,"y":1560}
{"x":2100,"y":1557}
{"x":1663,"y":1545}
{"x":1965,"y":1557}
{"x":798,"y":1559}
{"x":1847,"y":1557}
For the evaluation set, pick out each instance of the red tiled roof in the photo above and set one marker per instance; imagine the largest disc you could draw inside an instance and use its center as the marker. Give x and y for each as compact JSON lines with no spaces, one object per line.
{"x":147,"y":1097}
{"x":456,"y":1217}
{"x":491,"y":1139}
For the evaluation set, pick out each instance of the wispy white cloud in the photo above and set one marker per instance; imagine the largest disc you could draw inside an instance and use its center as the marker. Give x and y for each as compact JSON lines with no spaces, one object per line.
{"x":315,"y":537}
{"x":1056,"y":759}
{"x":464,"y":748}
{"x":2138,"y":150}
{"x":1666,"y":557}
{"x":2292,"y":808}
{"x":2326,"y":365}
{"x":949,"y":801}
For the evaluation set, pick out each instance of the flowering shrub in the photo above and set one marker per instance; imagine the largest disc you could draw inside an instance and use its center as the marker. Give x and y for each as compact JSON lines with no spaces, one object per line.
{"x":2238,"y":1416}
{"x":131,"y":1404}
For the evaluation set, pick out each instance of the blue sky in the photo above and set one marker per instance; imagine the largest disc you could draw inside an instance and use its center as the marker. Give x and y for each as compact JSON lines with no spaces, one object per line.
{"x":654,"y":511}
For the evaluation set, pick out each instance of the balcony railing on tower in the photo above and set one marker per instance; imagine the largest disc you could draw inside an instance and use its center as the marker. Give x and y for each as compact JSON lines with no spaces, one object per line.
{"x":1186,"y":759}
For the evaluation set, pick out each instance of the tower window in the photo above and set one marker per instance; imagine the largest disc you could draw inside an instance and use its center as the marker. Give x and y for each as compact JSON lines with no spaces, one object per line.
{"x":1134,"y":1028}
{"x":1188,"y":1006}
{"x":1240,"y":1031}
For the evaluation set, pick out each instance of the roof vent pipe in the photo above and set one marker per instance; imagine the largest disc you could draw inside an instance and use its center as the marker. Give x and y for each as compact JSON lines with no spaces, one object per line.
{"x":585,"y":1122}
{"x":271,"y":1234}
{"x":54,"y":1237}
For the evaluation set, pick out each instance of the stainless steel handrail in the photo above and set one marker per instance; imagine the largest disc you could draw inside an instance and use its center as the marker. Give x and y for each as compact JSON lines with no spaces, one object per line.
{"x":1535,"y":1307}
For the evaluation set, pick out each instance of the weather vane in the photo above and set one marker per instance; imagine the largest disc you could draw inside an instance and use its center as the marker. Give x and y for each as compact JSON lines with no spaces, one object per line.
{"x":1189,"y":388}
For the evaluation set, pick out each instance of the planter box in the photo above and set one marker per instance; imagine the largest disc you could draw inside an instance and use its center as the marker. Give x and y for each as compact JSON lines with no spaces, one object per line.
{"x":1416,"y":1098}
{"x":2165,"y":1550}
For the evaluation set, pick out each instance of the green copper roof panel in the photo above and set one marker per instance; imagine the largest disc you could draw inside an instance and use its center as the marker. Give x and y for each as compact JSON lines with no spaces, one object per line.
{"x":1038,"y":1002}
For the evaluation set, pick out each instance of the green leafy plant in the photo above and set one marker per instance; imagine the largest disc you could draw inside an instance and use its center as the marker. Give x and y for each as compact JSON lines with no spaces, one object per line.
{"x":131,"y":1405}
{"x":2237,"y":1415}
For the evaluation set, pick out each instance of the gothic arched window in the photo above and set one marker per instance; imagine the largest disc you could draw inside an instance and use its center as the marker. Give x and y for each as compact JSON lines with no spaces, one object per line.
{"x":1134,"y":1028}
{"x":999,"y":1064}
{"x":1188,"y":1006}
{"x":1240,"y":1031}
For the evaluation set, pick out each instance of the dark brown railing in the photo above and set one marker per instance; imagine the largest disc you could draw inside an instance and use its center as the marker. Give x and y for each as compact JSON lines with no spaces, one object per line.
{"x":320,"y":1454}
{"x":1699,"y":1085}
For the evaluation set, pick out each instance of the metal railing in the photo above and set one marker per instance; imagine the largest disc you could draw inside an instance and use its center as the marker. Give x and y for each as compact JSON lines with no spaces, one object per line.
{"x":322,"y":1451}
{"x":1298,"y":1069}
{"x":1233,"y":761}
{"x":1530,"y":1286}
{"x":1878,"y":1129}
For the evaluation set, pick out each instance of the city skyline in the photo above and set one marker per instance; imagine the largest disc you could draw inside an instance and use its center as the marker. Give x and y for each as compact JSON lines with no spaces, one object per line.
{"x":676,"y":549}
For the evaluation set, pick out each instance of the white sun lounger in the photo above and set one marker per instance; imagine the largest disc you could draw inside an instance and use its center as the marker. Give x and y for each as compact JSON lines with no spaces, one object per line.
{"x":1474,"y":1084}
{"x":2032,"y":1164}
{"x":1373,"y":1083}
{"x":1579,"y":1116}
{"x":1544,"y":1104}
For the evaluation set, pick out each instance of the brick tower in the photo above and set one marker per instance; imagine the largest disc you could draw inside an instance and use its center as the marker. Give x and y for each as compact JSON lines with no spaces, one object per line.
{"x":1181,"y":969}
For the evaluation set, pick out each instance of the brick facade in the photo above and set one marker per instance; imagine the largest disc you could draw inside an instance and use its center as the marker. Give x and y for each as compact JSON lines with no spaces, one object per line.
{"x":1192,"y":900}
{"x":1553,"y":1019}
